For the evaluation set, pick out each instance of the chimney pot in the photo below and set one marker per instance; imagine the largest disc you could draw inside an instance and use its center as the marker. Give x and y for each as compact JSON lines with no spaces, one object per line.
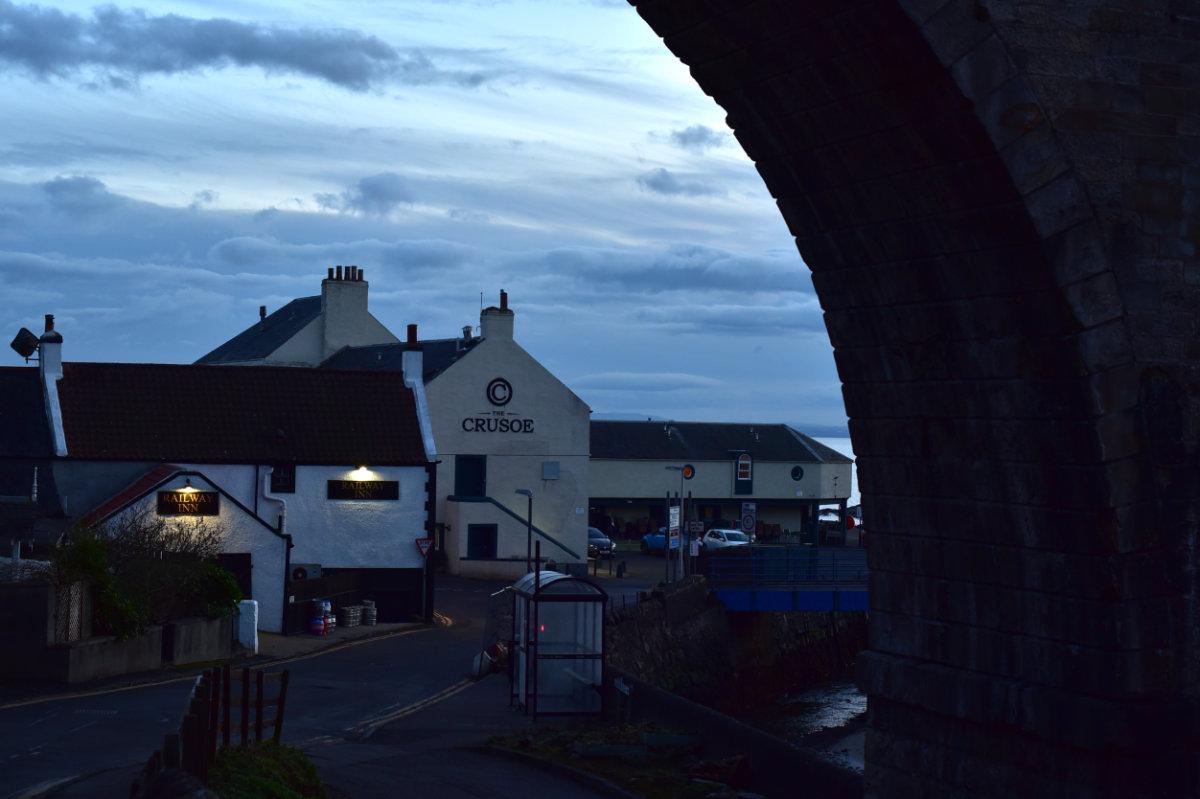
{"x":360,"y":275}
{"x":466,"y":332}
{"x":330,"y":277}
{"x":412,"y":334}
{"x":262,"y":312}
{"x":49,"y":322}
{"x":339,"y":272}
{"x":503,"y":300}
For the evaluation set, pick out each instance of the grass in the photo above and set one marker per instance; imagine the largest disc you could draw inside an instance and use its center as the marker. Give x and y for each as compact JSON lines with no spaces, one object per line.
{"x":266,"y":771}
{"x":633,"y":757}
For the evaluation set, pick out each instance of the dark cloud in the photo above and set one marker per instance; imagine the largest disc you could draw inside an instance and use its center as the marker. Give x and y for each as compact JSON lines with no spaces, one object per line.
{"x":698,"y":138}
{"x":660,"y":181}
{"x":202,"y":198}
{"x":377,"y":195}
{"x":80,"y":196}
{"x":120,"y":47}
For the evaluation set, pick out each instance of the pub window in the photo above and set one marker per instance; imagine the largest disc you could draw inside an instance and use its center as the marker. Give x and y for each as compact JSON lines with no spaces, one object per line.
{"x":744,"y":467}
{"x":283,"y":479}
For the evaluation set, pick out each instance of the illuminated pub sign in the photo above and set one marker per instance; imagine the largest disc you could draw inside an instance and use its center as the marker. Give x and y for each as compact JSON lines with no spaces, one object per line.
{"x":363,"y":489}
{"x":189,"y":503}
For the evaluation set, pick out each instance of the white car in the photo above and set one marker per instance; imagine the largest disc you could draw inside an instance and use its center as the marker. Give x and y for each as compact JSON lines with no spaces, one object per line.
{"x":720,"y":539}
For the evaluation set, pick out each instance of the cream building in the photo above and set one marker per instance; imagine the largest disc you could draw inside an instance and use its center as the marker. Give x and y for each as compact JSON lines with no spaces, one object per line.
{"x":501,"y":422}
{"x":763,"y":478}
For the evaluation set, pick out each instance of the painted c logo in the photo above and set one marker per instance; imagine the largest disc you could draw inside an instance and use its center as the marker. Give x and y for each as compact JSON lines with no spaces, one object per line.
{"x":499,"y":392}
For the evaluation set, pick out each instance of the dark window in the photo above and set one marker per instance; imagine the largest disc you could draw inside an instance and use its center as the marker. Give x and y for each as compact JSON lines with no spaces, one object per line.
{"x":481,"y":541}
{"x":470,"y":475}
{"x":283,"y":479}
{"x":239,"y":565}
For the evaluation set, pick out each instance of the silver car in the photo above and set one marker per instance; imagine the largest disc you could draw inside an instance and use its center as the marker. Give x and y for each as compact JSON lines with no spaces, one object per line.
{"x":720,"y":539}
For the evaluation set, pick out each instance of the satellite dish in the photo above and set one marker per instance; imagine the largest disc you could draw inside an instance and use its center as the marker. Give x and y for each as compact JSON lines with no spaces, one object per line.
{"x":25,"y":343}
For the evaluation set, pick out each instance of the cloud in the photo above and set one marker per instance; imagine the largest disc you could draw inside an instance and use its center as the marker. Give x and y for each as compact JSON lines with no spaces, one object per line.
{"x":377,"y":195}
{"x":698,"y":138}
{"x":80,"y":196}
{"x":202,"y":198}
{"x":660,"y":181}
{"x":120,"y":47}
{"x":643,"y":381}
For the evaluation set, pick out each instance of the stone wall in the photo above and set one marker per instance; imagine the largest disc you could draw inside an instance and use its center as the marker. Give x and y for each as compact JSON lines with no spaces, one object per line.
{"x":1000,"y":205}
{"x":683,"y":641}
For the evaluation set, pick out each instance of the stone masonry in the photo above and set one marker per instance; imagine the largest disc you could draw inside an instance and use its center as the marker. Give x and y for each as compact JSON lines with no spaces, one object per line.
{"x":1000,"y":204}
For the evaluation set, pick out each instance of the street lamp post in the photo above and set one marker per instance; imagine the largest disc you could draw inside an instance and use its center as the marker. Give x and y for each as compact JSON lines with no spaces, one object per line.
{"x":525,"y":492}
{"x":679,"y":469}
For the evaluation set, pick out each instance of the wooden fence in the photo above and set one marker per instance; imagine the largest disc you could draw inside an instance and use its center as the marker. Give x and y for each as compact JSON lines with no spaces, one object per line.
{"x":224,"y":704}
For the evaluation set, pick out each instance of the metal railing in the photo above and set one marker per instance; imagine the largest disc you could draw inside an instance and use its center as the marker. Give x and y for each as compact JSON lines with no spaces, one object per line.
{"x":786,"y":566}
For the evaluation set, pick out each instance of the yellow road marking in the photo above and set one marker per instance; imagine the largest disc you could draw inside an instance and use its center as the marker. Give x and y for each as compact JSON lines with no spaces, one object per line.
{"x":171,"y":681}
{"x":366,"y":729}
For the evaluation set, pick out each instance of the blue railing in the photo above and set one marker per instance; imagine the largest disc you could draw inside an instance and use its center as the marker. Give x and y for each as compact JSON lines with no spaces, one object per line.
{"x":786,"y":566}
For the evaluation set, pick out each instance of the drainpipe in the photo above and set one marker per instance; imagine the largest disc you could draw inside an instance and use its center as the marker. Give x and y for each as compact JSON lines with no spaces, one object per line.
{"x":288,"y":544}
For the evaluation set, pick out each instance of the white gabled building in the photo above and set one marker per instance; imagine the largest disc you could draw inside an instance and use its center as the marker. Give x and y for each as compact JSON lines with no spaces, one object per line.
{"x":500,"y":421}
{"x":300,"y":467}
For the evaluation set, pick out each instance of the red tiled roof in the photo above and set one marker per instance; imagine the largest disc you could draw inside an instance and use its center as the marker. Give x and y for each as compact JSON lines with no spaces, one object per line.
{"x":129,"y":493}
{"x":238,"y":414}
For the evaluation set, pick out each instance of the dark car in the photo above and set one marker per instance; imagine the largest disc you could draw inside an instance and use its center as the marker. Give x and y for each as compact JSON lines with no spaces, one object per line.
{"x":600,"y":545}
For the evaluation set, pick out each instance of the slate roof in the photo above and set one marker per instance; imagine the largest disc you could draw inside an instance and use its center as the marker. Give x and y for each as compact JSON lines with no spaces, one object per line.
{"x":438,"y":355}
{"x":262,"y":338}
{"x":231,"y":414}
{"x":23,"y":429}
{"x":706,"y":441}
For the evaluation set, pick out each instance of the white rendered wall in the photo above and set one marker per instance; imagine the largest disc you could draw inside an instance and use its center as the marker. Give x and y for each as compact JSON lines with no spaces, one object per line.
{"x":714,"y":480}
{"x":514,"y":460}
{"x":302,"y":349}
{"x":352,"y":534}
{"x":245,"y":534}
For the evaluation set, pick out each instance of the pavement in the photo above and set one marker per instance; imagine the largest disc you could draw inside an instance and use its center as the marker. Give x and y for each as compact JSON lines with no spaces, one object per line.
{"x":386,"y":716}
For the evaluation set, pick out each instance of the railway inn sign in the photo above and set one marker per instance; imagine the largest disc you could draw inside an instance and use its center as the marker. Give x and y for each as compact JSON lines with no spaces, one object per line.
{"x":189,"y":503}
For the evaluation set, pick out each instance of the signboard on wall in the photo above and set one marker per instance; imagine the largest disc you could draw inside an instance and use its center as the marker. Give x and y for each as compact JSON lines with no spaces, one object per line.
{"x":363,"y":490}
{"x":749,"y":517}
{"x":189,"y":503}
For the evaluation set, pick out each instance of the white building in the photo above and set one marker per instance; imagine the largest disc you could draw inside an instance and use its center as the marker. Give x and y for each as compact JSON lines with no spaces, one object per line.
{"x":501,"y":421}
{"x":299,"y":466}
{"x":764,"y":478}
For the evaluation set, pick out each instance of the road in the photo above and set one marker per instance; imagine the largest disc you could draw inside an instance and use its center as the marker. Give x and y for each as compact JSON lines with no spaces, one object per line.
{"x":336,"y":697}
{"x":329,"y":694}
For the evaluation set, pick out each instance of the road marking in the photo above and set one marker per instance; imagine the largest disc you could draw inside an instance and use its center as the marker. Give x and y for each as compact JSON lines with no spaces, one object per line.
{"x":192,"y":677}
{"x":367,"y":728}
{"x":41,"y":788}
{"x":85,"y":725}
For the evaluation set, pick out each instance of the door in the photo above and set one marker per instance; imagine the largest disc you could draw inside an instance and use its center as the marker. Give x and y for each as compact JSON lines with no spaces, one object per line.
{"x":470,"y":475}
{"x":238,"y":564}
{"x":481,"y":541}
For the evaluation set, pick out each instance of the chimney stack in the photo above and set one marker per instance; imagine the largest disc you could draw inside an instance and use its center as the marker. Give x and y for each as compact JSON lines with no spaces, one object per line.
{"x":497,"y":323}
{"x":412,"y":360}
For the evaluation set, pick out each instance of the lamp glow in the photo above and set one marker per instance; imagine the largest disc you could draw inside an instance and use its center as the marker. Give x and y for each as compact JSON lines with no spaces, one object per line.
{"x":187,"y":487}
{"x":361,"y":473}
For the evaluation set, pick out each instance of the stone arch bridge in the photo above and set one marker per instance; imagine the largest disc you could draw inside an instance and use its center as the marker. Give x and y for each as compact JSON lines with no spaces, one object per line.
{"x":1000,"y":203}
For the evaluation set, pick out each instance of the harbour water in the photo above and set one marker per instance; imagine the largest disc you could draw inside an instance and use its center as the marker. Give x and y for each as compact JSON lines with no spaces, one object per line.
{"x":829,"y":719}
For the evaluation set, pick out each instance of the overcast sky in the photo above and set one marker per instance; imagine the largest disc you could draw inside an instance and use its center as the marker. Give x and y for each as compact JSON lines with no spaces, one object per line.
{"x":166,"y":168}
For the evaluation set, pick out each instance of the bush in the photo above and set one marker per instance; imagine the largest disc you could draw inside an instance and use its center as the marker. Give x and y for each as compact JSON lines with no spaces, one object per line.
{"x":146,"y":570}
{"x":266,"y":771}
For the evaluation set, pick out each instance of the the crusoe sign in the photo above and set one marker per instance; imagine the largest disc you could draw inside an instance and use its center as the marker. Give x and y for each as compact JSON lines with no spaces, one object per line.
{"x":364,"y":490}
{"x":499,"y":392}
{"x":189,"y":503}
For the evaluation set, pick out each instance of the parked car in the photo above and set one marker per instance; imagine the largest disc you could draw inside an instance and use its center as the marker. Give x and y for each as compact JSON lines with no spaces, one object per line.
{"x":599,"y":545}
{"x":718,"y":538}
{"x":656,"y":543}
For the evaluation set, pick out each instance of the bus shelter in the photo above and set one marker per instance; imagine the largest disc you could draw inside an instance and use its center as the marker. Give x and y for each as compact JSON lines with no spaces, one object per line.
{"x":557,"y":663}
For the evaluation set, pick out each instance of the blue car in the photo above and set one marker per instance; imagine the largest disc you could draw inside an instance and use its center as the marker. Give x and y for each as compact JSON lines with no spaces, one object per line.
{"x":655,"y":543}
